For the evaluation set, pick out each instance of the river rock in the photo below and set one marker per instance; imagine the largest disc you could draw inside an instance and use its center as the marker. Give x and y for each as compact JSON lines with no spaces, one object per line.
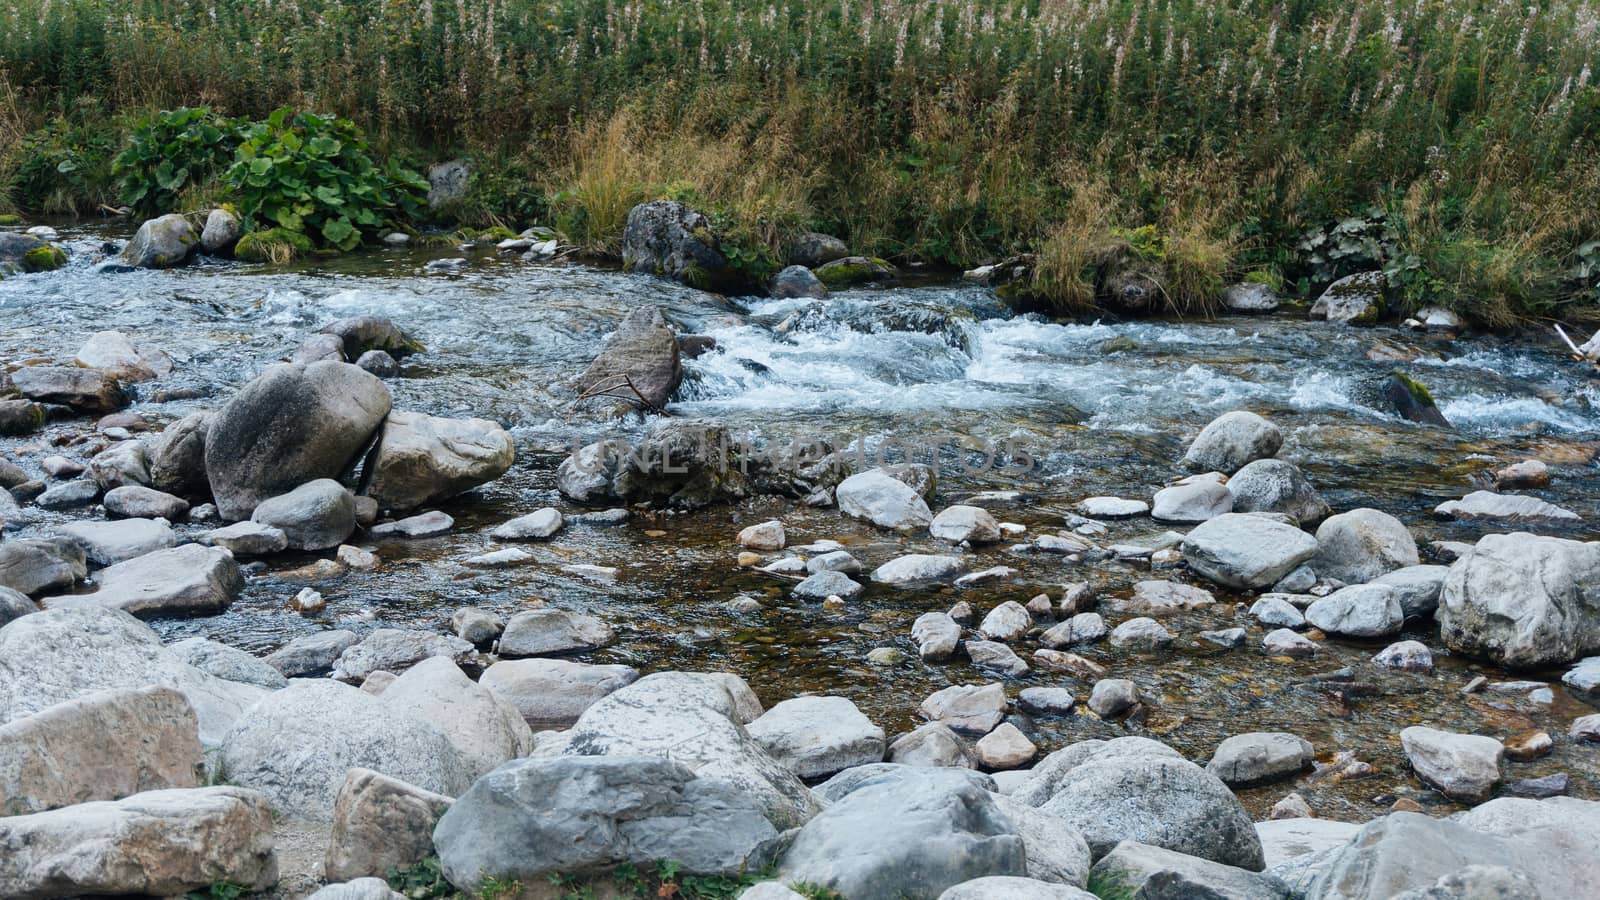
{"x":396,"y":650}
{"x":379,"y":363}
{"x":123,"y":463}
{"x":1277,"y":613}
{"x":1417,"y":588}
{"x":906,"y":832}
{"x":187,"y":580}
{"x":1285,"y":642}
{"x":221,"y":232}
{"x":996,"y":657}
{"x":291,"y":425}
{"x":1360,"y":610}
{"x":651,"y":716}
{"x":1199,"y":498}
{"x":177,"y":457}
{"x":1115,"y":792}
{"x":545,"y":632}
{"x":1160,"y":597}
{"x":554,"y":693}
{"x":1006,"y":747}
{"x":668,"y":239}
{"x":1259,"y":757}
{"x":1010,"y":887}
{"x":1142,"y":872}
{"x":1250,"y":297}
{"x":1273,"y":485}
{"x":1007,"y":622}
{"x":1407,"y":656}
{"x":20,"y":417}
{"x":919,"y":568}
{"x":1112,"y":697}
{"x":297,"y":745}
{"x":885,"y":501}
{"x":434,"y":523}
{"x":317,"y":515}
{"x":1464,"y":767}
{"x":1141,"y":635}
{"x":1410,"y":400}
{"x":1524,"y":475}
{"x":813,"y":249}
{"x":1246,"y":552}
{"x":818,"y":736}
{"x":114,"y":353}
{"x":968,"y":709}
{"x":1523,"y":601}
{"x":937,"y":635}
{"x":1583,"y":679}
{"x":132,"y":501}
{"x":228,"y":663}
{"x":1352,"y":300}
{"x":37,"y":566}
{"x":85,"y":390}
{"x":1111,"y":508}
{"x":537,"y":817}
{"x":1232,"y":440}
{"x":797,"y":281}
{"x":965,"y":524}
{"x":14,"y":605}
{"x":424,"y":459}
{"x":70,"y":495}
{"x":62,"y":654}
{"x":934,"y":744}
{"x":105,"y":745}
{"x":108,"y":543}
{"x":535,"y":526}
{"x":1487,"y":505}
{"x":157,"y":843}
{"x":640,"y":362}
{"x":1082,"y":628}
{"x":1358,"y":546}
{"x":380,"y":823}
{"x":484,"y":727}
{"x":161,"y":243}
{"x":833,"y":561}
{"x":822,"y":585}
{"x":312,"y":654}
{"x":476,"y":626}
{"x":248,"y":539}
{"x":763,"y":536}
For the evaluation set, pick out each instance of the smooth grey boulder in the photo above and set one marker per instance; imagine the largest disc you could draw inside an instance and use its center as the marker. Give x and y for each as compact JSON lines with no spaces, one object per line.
{"x":1155,"y":799}
{"x":554,"y":693}
{"x":1111,"y":697}
{"x":535,"y":817}
{"x":965,"y":524}
{"x":1250,"y":297}
{"x":1477,"y":883}
{"x":535,"y":526}
{"x":123,"y":464}
{"x":883,"y":500}
{"x":1082,"y":628}
{"x":161,"y":243}
{"x":1583,"y":679}
{"x":371,"y":888}
{"x":894,"y":836}
{"x":1158,"y":597}
{"x":396,"y":650}
{"x":1231,"y":441}
{"x":1417,"y":588}
{"x":424,"y":459}
{"x":292,"y":424}
{"x":937,"y":635}
{"x":248,"y":539}
{"x":312,"y":654}
{"x":934,"y":744}
{"x":1407,"y":656}
{"x":1259,"y":757}
{"x":1356,"y":547}
{"x":1056,"y":852}
{"x":1273,"y":485}
{"x":813,"y":249}
{"x":972,"y":710}
{"x":380,"y":823}
{"x":1010,"y":887}
{"x":651,"y":717}
{"x":1141,"y":872}
{"x":158,"y":843}
{"x":85,"y":390}
{"x":317,"y":515}
{"x":841,"y":785}
{"x":546,"y":632}
{"x":1276,"y":612}
{"x":1046,"y":776}
{"x":228,"y":663}
{"x":297,"y":744}
{"x":919,"y":568}
{"x":487,"y":729}
{"x":818,"y":736}
{"x":71,"y":495}
{"x":108,"y":543}
{"x":1464,"y":767}
{"x":825,"y":584}
{"x":36,"y":566}
{"x":221,"y":232}
{"x":1522,"y":601}
{"x":105,"y":745}
{"x":15,"y":605}
{"x":186,"y":580}
{"x":797,"y":281}
{"x":1007,"y":622}
{"x":1246,"y":552}
{"x":1487,"y":505}
{"x":115,"y":354}
{"x":1285,"y":840}
{"x":62,"y":654}
{"x":1141,"y":635}
{"x":1360,"y":610}
{"x":640,"y":362}
{"x":1198,"y":498}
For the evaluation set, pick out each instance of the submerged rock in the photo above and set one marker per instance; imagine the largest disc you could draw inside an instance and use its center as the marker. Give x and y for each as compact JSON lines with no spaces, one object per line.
{"x":1411,"y":400}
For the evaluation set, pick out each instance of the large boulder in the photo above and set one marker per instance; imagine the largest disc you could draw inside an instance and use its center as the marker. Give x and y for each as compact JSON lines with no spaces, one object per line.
{"x":1358,"y":546}
{"x":158,"y":843}
{"x":818,"y":736}
{"x":813,"y":249}
{"x":317,"y":515}
{"x":380,"y":823}
{"x":1141,"y":872}
{"x":1259,"y":757}
{"x":485,"y":728}
{"x":639,"y":364}
{"x":101,"y":746}
{"x":883,"y":500}
{"x":1246,"y":552}
{"x":534,"y":818}
{"x":553,"y":693}
{"x":1231,"y":441}
{"x":1198,"y":498}
{"x":221,"y":232}
{"x":395,"y":650}
{"x":291,"y":424}
{"x":651,"y":717}
{"x":228,"y":663}
{"x":188,"y":580}
{"x":1112,"y":795}
{"x":1523,"y":601}
{"x":908,"y":832}
{"x":62,"y":654}
{"x":109,"y":543}
{"x":36,"y":566}
{"x":548,"y":631}
{"x":667,"y":238}
{"x":1464,"y":767}
{"x":1273,"y":485}
{"x":1353,"y":300}
{"x":161,"y":243}
{"x":1416,"y":587}
{"x":1360,"y":610}
{"x":795,"y":282}
{"x":177,"y":457}
{"x":85,"y":390}
{"x":424,"y":459}
{"x":21,"y":252}
{"x":297,"y":744}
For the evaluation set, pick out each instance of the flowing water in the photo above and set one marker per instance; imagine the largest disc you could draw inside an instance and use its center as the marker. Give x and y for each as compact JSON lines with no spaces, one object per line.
{"x":934,"y":361}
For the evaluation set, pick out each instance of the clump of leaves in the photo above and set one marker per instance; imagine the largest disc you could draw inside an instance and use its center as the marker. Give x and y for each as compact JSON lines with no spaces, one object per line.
{"x":1357,"y":243}
{"x":422,"y":881}
{"x":171,"y":150}
{"x":62,"y":168}
{"x":311,"y":174}
{"x":222,"y":890}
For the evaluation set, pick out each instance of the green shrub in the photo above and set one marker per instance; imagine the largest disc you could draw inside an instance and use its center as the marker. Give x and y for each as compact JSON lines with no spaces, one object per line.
{"x":170,"y":151}
{"x":311,"y":175}
{"x":1356,"y":243}
{"x":63,"y":168}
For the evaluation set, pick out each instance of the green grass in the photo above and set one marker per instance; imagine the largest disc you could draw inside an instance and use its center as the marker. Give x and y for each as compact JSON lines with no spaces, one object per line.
{"x":945,"y":132}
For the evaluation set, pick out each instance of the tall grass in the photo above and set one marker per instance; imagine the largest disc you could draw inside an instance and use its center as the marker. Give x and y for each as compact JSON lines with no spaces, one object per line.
{"x":943,"y":130}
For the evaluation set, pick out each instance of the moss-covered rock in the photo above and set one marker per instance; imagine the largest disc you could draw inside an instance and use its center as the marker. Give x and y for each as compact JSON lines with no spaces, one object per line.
{"x":1411,"y":400}
{"x":854,"y":270}
{"x":10,"y":219}
{"x":47,"y":258}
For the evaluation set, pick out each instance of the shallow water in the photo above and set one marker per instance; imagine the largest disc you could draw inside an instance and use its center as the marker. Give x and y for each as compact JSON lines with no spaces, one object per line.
{"x":883,"y":367}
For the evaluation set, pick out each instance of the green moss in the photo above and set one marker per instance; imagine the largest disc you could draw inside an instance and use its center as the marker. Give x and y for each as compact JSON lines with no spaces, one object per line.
{"x":845,"y":273}
{"x":1368,"y":316}
{"x":275,"y":245}
{"x":1109,"y":886}
{"x":1419,"y":391}
{"x":1118,"y":344}
{"x":10,"y":219}
{"x":494,"y":233}
{"x":43,"y":259}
